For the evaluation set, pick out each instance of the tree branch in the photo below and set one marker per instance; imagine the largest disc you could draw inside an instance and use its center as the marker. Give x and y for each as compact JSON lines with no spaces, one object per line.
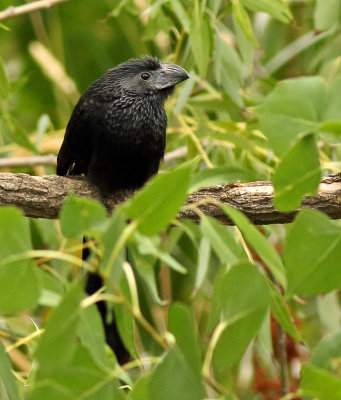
{"x":43,"y":196}
{"x":50,"y":160}
{"x":12,"y":12}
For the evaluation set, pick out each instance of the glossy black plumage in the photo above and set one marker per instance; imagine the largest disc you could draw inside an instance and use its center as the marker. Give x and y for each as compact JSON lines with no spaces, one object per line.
{"x":116,"y":136}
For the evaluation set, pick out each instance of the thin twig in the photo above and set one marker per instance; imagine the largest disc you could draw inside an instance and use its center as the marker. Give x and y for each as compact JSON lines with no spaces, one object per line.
{"x":50,"y":160}
{"x":12,"y":12}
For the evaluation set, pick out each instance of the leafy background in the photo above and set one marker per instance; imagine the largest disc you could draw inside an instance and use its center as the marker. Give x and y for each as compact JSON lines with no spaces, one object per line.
{"x":202,"y":308}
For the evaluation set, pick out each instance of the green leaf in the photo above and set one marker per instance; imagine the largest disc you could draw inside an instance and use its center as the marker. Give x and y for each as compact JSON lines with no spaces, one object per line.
{"x":228,"y":68}
{"x":111,"y":236}
{"x":203,"y":262}
{"x":80,"y":215}
{"x":327,"y":353}
{"x":181,"y":14}
{"x":125,"y":320}
{"x":277,"y":8}
{"x":312,"y":254}
{"x":320,"y":384}
{"x":6,"y":376}
{"x":326,"y":14}
{"x":58,"y":343}
{"x":182,"y":325}
{"x":244,"y":302}
{"x":4,"y":83}
{"x":297,"y":175}
{"x":174,"y":378}
{"x":15,"y":132}
{"x":281,"y":312}
{"x":223,"y":175}
{"x":18,"y":279}
{"x":148,"y":247}
{"x":260,"y":244}
{"x":243,"y":20}
{"x":292,"y":109}
{"x":91,"y":333}
{"x":159,"y":201}
{"x":222,"y":240}
{"x":200,"y":32}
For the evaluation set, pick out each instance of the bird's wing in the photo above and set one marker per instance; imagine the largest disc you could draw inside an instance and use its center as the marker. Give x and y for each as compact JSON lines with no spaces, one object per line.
{"x":76,"y":151}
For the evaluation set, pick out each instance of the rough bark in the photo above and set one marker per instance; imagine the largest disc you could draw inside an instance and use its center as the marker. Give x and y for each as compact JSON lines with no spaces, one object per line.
{"x":43,"y":196}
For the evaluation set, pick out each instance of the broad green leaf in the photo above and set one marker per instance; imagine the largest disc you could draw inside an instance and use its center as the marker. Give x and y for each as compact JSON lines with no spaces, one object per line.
{"x":80,"y":377}
{"x":312,"y":254}
{"x":91,"y":333}
{"x":320,"y":384}
{"x":327,"y":353}
{"x":223,"y":175}
{"x":4,"y":83}
{"x":222,"y":240}
{"x":292,"y":109}
{"x":243,"y":20}
{"x":326,"y":14}
{"x":244,"y":303}
{"x":58,"y":343}
{"x":6,"y":376}
{"x":277,"y":8}
{"x":200,"y":38}
{"x":260,"y":244}
{"x":18,"y":279}
{"x":80,"y":215}
{"x":140,"y":390}
{"x":174,"y":378}
{"x":159,"y":201}
{"x":329,"y":311}
{"x":297,"y":175}
{"x":182,"y":325}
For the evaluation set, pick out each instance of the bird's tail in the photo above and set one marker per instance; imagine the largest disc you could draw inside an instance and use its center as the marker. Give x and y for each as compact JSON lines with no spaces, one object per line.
{"x":93,"y":284}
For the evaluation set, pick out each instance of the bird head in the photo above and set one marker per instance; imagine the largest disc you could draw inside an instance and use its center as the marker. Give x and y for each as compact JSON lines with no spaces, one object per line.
{"x":147,"y":76}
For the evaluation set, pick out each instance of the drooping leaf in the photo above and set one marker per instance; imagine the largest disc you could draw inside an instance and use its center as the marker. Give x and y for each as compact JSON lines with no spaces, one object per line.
{"x":6,"y":376}
{"x":244,"y":301}
{"x":19,"y":280}
{"x":222,"y":240}
{"x":312,"y":254}
{"x":159,"y":201}
{"x":261,"y":245}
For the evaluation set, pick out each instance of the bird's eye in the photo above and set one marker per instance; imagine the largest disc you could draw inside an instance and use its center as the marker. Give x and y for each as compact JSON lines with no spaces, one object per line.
{"x":145,"y":76}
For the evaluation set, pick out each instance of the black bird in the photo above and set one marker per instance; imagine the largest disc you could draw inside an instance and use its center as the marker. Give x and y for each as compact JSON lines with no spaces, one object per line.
{"x":116,"y":136}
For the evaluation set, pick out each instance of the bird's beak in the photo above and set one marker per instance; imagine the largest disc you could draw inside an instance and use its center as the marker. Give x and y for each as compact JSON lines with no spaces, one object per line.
{"x":170,"y":75}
